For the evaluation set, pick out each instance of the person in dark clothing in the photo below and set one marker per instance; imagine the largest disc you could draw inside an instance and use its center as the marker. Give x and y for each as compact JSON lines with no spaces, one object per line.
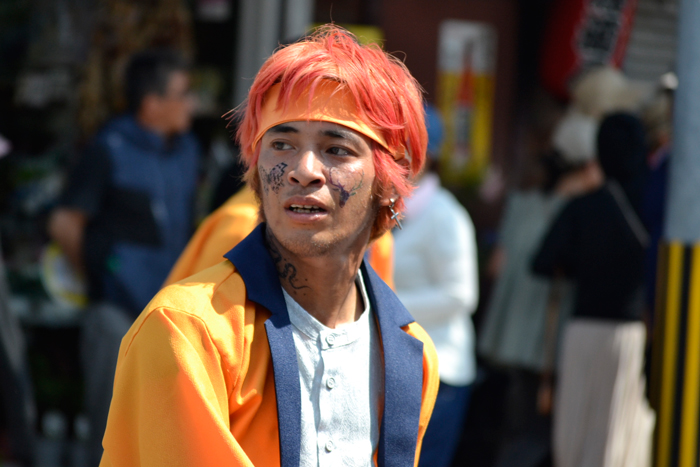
{"x":600,"y":415}
{"x":16,"y":391}
{"x":127,"y":213}
{"x":658,"y":121}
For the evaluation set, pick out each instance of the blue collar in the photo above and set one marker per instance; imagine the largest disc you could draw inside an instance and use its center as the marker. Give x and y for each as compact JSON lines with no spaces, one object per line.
{"x":403,"y":356}
{"x":143,"y":137}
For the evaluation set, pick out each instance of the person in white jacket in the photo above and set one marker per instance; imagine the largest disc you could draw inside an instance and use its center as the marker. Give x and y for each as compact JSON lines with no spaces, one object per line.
{"x":436,"y":278}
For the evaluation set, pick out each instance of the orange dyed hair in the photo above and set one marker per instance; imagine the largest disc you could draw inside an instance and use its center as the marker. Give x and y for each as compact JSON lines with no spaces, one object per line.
{"x":387,"y":97}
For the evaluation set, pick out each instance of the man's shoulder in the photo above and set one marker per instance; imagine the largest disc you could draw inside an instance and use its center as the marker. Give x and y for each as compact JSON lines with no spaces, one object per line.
{"x":594,"y":196}
{"x":110,"y":136}
{"x":119,"y":125}
{"x":212,"y":295}
{"x":588,"y":205}
{"x":114,"y":137}
{"x":188,"y":149}
{"x":189,"y":141}
{"x":241,"y":207}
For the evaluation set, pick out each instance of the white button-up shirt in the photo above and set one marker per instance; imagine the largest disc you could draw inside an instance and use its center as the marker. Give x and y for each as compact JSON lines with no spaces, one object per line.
{"x":342,"y":387}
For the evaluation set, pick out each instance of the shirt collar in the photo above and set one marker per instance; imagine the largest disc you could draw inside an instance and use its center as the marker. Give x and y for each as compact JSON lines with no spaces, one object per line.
{"x":253,"y":262}
{"x":342,"y":335}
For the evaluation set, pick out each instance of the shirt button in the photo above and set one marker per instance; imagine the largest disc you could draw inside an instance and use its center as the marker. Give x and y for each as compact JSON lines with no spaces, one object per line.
{"x":330,"y":339}
{"x":330,"y":383}
{"x":330,"y":446}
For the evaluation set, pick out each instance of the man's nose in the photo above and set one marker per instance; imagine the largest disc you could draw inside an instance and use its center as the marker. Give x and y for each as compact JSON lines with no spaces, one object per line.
{"x":308,"y":170}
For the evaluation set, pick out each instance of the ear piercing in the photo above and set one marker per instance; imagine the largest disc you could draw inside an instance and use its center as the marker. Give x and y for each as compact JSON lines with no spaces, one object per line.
{"x":394,"y":214}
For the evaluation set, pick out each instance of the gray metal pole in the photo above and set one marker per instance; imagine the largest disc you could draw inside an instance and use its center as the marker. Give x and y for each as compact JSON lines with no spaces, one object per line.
{"x":683,"y":208}
{"x":261,"y":30}
{"x":675,"y":381}
{"x":258,"y":33}
{"x":298,"y":18}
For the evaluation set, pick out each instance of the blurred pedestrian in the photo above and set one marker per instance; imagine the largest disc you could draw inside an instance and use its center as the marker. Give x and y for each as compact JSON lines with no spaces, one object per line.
{"x":658,"y":122}
{"x":437,"y":280}
{"x":126,"y":213}
{"x":16,"y":391}
{"x":517,"y":340}
{"x":601,"y":417}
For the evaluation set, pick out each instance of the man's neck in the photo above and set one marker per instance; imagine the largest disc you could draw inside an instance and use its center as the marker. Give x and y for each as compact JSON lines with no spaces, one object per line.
{"x":324,"y":286}
{"x":152,"y":124}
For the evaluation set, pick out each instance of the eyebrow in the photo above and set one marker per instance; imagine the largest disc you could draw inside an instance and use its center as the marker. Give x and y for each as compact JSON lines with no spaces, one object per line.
{"x":282,"y":128}
{"x":341,"y":134}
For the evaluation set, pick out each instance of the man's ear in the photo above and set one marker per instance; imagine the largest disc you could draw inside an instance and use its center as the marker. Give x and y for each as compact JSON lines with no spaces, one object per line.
{"x":391,"y":195}
{"x":388,"y":199}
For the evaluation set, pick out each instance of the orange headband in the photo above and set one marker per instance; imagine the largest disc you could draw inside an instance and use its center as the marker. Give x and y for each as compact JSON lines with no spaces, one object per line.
{"x":330,"y":103}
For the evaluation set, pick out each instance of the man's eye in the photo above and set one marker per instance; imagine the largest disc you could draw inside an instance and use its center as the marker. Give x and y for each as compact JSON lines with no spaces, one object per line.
{"x":338,"y":151}
{"x":281,"y":145}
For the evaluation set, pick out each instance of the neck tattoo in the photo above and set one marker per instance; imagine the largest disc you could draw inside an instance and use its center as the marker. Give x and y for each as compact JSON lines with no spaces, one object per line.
{"x":285,"y":269}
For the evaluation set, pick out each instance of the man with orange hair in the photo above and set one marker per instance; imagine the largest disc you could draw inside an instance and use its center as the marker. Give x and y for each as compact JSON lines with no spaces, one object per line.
{"x":293,"y":352}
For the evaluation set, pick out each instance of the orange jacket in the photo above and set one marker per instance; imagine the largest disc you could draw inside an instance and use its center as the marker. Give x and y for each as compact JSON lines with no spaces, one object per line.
{"x":233,"y":221}
{"x":207,"y":375}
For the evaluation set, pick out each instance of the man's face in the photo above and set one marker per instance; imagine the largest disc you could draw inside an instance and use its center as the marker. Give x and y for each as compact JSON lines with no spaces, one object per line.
{"x":175,"y":106}
{"x":316,"y":183}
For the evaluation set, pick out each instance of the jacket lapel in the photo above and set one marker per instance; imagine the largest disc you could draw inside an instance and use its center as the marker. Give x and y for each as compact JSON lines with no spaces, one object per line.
{"x":255,"y":266}
{"x":403,"y":356}
{"x":403,"y":375}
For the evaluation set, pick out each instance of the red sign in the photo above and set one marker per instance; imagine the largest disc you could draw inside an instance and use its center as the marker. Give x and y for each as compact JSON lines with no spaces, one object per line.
{"x":581,"y":34}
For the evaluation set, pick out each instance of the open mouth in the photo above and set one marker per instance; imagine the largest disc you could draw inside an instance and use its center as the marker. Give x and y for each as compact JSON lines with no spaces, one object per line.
{"x":304,"y":209}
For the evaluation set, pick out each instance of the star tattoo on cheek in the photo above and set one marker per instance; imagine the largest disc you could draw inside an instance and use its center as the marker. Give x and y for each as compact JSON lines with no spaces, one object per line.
{"x":340,"y":182}
{"x":274,"y":178}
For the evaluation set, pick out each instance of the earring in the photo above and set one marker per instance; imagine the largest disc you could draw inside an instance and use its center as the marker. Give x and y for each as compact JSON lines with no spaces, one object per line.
{"x":394,"y":214}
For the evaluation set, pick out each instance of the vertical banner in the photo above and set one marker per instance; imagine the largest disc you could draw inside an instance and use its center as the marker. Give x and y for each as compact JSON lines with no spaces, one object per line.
{"x":466,"y":85}
{"x":581,"y":34}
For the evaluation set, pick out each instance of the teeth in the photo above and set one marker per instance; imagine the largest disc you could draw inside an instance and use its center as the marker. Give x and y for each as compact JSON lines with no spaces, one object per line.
{"x":304,"y":208}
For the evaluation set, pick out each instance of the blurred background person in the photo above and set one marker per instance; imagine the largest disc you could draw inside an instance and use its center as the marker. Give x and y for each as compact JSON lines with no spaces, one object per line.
{"x":436,"y":277}
{"x":601,"y":417}
{"x":126,"y":213}
{"x":516,"y":335}
{"x":657,"y":117}
{"x":16,"y":394}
